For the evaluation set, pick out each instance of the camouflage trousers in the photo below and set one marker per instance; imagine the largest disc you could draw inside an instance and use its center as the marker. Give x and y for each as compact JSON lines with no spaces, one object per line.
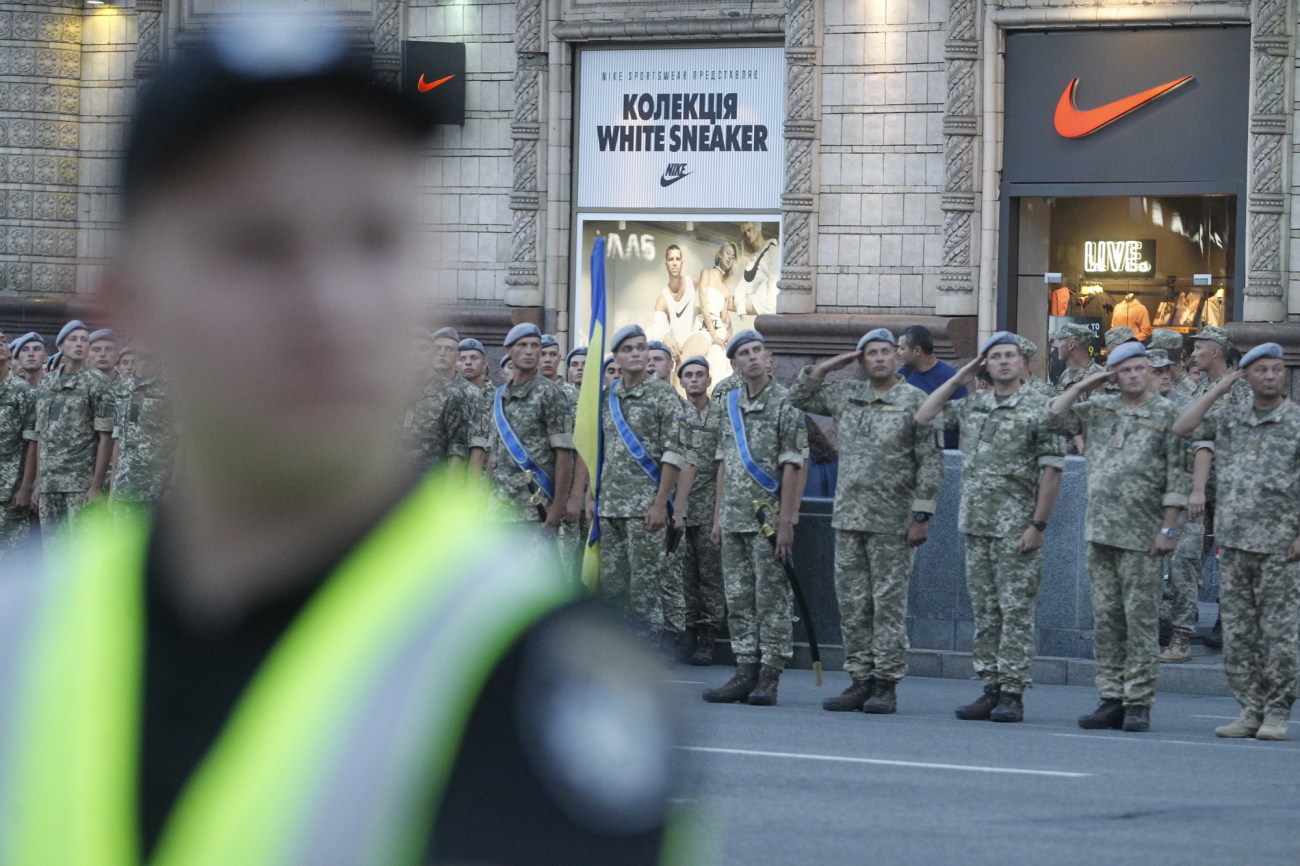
{"x":632,"y":563}
{"x":1260,"y":599}
{"x":1125,"y":586}
{"x":1003,"y":584}
{"x":1186,"y":570}
{"x":572,"y":543}
{"x":872,"y":571}
{"x":760,"y":603}
{"x":58,"y":510}
{"x":701,"y":565}
{"x":15,"y":527}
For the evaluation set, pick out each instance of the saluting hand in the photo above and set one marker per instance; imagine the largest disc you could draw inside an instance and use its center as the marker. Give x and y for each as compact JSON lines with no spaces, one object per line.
{"x":830,"y":365}
{"x":970,"y":370}
{"x":1096,"y":380}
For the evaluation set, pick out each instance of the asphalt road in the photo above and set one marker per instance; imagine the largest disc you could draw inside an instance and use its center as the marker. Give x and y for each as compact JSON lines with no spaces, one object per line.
{"x":794,"y":784}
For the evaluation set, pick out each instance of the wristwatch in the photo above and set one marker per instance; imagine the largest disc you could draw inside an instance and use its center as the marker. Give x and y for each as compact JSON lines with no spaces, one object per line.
{"x":1040,"y":525}
{"x":1168,"y":533}
{"x":920,"y":516}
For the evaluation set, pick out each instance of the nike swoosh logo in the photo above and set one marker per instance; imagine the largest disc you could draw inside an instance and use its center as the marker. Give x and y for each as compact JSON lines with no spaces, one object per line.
{"x":669,"y":181}
{"x":425,"y":86}
{"x":1073,"y":123}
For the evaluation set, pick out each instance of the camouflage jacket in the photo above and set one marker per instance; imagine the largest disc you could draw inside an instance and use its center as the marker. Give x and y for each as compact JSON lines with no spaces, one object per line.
{"x":480,"y":427}
{"x":146,"y":433}
{"x":726,"y":386}
{"x":71,"y":411}
{"x":777,"y":436}
{"x":1070,"y":377}
{"x":436,"y":425}
{"x":1041,"y":386}
{"x":542,"y":419}
{"x":654,"y":412}
{"x":1004,"y":447}
{"x":890,"y":466}
{"x":1239,"y":394}
{"x":17,"y":428}
{"x":1136,"y":466}
{"x":703,"y":429}
{"x":1259,"y":475}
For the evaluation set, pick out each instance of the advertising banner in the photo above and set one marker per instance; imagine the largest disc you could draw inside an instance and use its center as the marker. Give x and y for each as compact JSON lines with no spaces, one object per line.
{"x":681,"y":129}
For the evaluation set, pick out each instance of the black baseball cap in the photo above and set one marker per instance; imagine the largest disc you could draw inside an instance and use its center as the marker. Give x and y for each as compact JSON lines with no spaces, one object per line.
{"x":241,"y":69}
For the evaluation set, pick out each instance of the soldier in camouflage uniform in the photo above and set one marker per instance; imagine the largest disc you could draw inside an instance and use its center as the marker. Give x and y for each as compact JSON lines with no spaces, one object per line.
{"x":760,"y":611}
{"x":541,"y":417}
{"x":1137,"y":486}
{"x":575,"y":364}
{"x":126,"y":366}
{"x":1257,"y":448}
{"x":446,"y":359}
{"x":633,"y":508}
{"x":30,"y":355}
{"x":726,"y":386}
{"x":551,"y":371}
{"x":75,"y":409}
{"x":436,"y":425}
{"x":1028,"y":348}
{"x":1071,"y":342}
{"x":471,"y":364}
{"x":889,"y":475}
{"x":102,"y":354}
{"x":144,"y":434}
{"x":659,"y":363}
{"x":17,"y":454}
{"x":1011,"y":472}
{"x":1172,"y":343}
{"x":701,"y":557}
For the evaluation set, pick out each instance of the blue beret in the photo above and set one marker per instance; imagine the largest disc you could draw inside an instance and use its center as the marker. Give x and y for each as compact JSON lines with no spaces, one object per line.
{"x":53,"y":361}
{"x":623,"y":333}
{"x":1124,"y":352}
{"x":126,"y":350}
{"x":1263,"y":350}
{"x":605,"y":364}
{"x":882,"y":335}
{"x":446,"y":334}
{"x":999,"y":339}
{"x":518,"y":332}
{"x":693,"y":359}
{"x":469,"y":344}
{"x":740,"y":338}
{"x":103,"y":334}
{"x":503,"y":361}
{"x":660,"y":346}
{"x":579,"y":350}
{"x":549,"y":340}
{"x":74,"y":325}
{"x":29,"y":337}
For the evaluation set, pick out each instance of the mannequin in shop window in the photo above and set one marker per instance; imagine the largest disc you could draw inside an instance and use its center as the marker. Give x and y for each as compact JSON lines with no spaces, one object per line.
{"x":1132,"y":313}
{"x":1187,"y":312}
{"x":1213,"y":313}
{"x":1094,"y":302}
{"x":1059,"y":303}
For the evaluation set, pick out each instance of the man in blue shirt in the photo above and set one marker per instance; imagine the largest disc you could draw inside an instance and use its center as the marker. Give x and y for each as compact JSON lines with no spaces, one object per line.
{"x":923,"y":370}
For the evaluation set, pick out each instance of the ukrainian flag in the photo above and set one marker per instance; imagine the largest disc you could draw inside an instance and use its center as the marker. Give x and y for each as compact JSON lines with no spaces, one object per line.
{"x":588,"y":437}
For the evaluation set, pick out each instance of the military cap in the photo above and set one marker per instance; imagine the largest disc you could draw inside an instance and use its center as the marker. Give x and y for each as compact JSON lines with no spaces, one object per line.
{"x":1028,"y":348}
{"x":999,"y":339}
{"x":740,"y":338}
{"x":469,"y":344}
{"x":624,"y":333}
{"x":126,"y":350}
{"x":881,"y":335}
{"x":53,"y":361}
{"x":74,"y":325}
{"x":1215,"y":335}
{"x":1073,"y":331}
{"x":1122,"y":334}
{"x":446,"y":334}
{"x":505,"y":359}
{"x":1263,"y":350}
{"x":1163,"y":338}
{"x":604,"y":366}
{"x":1124,"y":352}
{"x":518,"y":332}
{"x":103,"y":334}
{"x":693,"y":359}
{"x":29,"y":337}
{"x":576,"y":350}
{"x":549,"y":340}
{"x":659,"y":345}
{"x":1159,"y":358}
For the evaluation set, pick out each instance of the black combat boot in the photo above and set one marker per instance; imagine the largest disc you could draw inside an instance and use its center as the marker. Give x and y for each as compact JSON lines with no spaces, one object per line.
{"x":1214,"y":640}
{"x":1010,"y":708}
{"x":1137,"y":719}
{"x":1109,"y":714}
{"x":883,"y":700}
{"x":737,"y":688}
{"x":765,"y":694}
{"x":852,"y":699}
{"x":980,"y":708}
{"x":703,"y":654}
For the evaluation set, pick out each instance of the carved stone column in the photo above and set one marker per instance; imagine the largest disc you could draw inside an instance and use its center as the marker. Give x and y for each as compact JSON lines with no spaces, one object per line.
{"x":957,"y":277}
{"x":148,"y":50}
{"x":387,"y":38}
{"x":798,"y":220}
{"x":1271,"y":58}
{"x":526,"y":194}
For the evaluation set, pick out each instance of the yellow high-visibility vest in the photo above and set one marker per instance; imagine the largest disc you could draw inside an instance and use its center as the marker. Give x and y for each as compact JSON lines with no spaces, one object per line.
{"x":339,"y":748}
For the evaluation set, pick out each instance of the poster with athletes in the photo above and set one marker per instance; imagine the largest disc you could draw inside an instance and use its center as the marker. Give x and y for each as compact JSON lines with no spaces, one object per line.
{"x":681,"y":128}
{"x":691,"y":282}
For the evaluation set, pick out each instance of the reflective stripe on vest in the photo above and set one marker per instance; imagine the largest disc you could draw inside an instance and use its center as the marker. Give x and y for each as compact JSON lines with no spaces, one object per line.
{"x":339,"y":748}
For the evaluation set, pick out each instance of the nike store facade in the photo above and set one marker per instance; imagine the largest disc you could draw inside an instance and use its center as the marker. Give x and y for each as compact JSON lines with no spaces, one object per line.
{"x":1124,"y":186}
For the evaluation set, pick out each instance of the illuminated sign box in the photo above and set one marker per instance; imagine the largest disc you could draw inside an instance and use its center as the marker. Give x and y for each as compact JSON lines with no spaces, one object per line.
{"x":1123,"y":258}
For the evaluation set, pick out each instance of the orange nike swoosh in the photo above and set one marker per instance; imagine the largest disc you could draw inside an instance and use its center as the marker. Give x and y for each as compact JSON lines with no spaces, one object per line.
{"x":1073,"y":123}
{"x":425,"y":86}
